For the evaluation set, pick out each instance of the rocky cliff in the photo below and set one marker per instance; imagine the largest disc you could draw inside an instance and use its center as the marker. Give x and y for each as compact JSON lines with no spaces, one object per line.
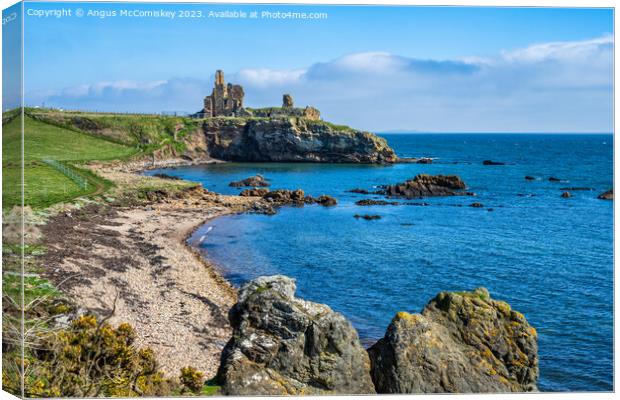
{"x":275,"y":138}
{"x":292,"y":140}
{"x":283,"y":345}
{"x":461,"y":343}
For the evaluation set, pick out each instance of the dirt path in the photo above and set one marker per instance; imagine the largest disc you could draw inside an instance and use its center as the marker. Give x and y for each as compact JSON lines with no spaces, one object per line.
{"x":177,"y":303}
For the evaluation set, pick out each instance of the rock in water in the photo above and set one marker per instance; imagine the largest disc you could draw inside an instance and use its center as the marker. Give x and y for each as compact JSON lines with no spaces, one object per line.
{"x":283,"y":345}
{"x":424,"y":185}
{"x":491,"y":162}
{"x":608,"y":195}
{"x":326,"y":201}
{"x":256,"y":192}
{"x":252,"y":181}
{"x":566,"y":195}
{"x":461,"y":343}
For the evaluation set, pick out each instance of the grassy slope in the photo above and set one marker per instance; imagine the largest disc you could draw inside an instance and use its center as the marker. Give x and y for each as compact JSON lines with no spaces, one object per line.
{"x":44,"y":185}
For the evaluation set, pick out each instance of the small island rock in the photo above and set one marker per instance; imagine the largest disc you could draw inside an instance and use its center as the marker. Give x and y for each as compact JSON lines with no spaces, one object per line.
{"x":252,"y":181}
{"x":608,"y":195}
{"x":424,"y":185}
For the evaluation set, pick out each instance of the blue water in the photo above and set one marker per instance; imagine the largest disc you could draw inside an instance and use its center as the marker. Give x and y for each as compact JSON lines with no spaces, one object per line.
{"x":549,"y":257}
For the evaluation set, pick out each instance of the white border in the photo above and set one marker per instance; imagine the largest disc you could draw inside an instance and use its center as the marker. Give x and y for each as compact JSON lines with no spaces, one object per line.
{"x":483,"y":3}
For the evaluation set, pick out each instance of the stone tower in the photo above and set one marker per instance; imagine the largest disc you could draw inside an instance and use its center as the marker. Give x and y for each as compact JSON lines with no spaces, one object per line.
{"x":287,"y":101}
{"x":226,"y":100}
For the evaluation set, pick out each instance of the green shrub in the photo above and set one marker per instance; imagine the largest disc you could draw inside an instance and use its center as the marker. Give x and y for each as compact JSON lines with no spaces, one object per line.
{"x":90,"y":359}
{"x":191,"y":379}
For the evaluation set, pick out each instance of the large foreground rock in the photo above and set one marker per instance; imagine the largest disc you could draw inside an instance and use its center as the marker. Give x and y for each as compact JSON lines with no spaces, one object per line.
{"x":424,"y":185}
{"x":283,"y":345}
{"x":461,"y":343}
{"x":292,"y":139}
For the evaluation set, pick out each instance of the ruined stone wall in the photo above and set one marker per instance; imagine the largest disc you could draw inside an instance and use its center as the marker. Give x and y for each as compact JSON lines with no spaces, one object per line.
{"x":225,"y":99}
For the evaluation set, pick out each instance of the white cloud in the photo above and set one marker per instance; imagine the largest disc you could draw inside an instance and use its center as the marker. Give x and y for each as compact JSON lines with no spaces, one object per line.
{"x":268,"y":77}
{"x":578,"y":51}
{"x":560,"y":86}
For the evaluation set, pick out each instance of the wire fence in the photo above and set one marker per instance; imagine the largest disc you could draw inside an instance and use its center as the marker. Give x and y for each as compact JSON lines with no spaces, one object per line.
{"x":68,"y":172}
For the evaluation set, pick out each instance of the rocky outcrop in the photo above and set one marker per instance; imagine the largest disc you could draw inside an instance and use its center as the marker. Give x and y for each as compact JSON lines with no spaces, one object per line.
{"x":292,"y":140}
{"x":370,"y":202}
{"x":283,"y":345}
{"x":367,"y":217}
{"x":424,"y":185}
{"x":413,"y":160}
{"x":295,"y":197}
{"x":608,"y":195}
{"x":254,"y":192}
{"x":461,"y":343}
{"x":252,"y":181}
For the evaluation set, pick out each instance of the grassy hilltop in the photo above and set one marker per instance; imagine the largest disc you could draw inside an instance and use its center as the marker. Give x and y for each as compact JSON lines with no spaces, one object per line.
{"x":75,"y":138}
{"x":44,"y":185}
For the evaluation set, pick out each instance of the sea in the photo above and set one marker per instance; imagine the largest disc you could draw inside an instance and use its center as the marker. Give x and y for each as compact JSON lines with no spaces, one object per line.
{"x":549,"y":257}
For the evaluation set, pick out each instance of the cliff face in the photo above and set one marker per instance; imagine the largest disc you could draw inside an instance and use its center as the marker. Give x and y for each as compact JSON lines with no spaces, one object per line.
{"x":292,"y":140}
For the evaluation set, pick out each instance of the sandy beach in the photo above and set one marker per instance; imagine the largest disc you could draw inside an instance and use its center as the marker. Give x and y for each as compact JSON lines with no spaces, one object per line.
{"x":133,"y":262}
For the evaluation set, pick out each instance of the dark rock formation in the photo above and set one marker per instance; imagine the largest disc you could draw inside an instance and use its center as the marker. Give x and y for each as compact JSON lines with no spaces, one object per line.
{"x":358,"y":190}
{"x":576,"y":188}
{"x":252,"y":181}
{"x":529,"y":178}
{"x":293,"y":140}
{"x":477,"y":205}
{"x":282,"y":345}
{"x":490,"y":162}
{"x":461,"y":343}
{"x":554,"y":179}
{"x":254,"y":192}
{"x":608,"y":195}
{"x":367,"y":217}
{"x":285,"y":196}
{"x":298,"y":197}
{"x":424,"y":185}
{"x":326,"y":201}
{"x":566,"y":195}
{"x":369,"y":202}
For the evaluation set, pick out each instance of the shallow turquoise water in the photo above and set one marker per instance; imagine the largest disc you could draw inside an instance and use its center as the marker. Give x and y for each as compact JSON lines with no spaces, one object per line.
{"x":550,"y":258}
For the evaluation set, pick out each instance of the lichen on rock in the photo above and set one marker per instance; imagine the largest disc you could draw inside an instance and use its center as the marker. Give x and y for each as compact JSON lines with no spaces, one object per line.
{"x":461,"y":343}
{"x":283,"y":345}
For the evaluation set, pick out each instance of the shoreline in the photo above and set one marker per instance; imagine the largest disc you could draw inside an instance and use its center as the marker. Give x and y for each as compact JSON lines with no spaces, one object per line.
{"x":135,"y":260}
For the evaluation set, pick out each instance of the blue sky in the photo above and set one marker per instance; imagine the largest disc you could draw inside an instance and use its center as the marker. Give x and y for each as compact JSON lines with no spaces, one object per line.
{"x":376,"y":68}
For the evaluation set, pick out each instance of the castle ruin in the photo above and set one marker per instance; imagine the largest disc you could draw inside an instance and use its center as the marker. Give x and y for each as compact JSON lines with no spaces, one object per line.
{"x":226,"y":100}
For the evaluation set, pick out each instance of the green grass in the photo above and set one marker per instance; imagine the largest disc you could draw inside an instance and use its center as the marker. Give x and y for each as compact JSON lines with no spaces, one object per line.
{"x":43,"y":140}
{"x":143,"y":132}
{"x":43,"y":185}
